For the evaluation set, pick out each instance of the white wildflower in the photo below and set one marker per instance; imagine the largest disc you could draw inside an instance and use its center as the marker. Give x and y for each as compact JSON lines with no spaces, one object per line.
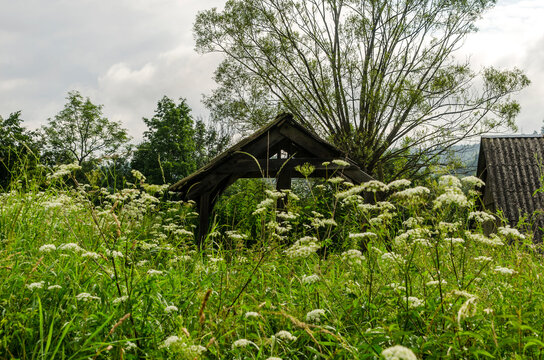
{"x":463,"y":293}
{"x":411,"y":194}
{"x":436,"y":282}
{"x":480,"y":216}
{"x":251,"y":314}
{"x":91,"y":255}
{"x":170,"y":308}
{"x":240,"y":343}
{"x":482,"y":239}
{"x":71,"y":246}
{"x":336,"y":180}
{"x":48,"y":248}
{"x":129,"y":345}
{"x":397,"y":287}
{"x":36,"y":285}
{"x":86,"y":297}
{"x":274,"y":194}
{"x":285,"y":335}
{"x":398,"y":352}
{"x":171,"y":340}
{"x":449,"y":181}
{"x":374,"y":186}
{"x":507,"y":231}
{"x":391,"y":256}
{"x":310,"y":279}
{"x":504,"y":270}
{"x":340,"y":162}
{"x":455,"y":241}
{"x":153,"y":272}
{"x":472,"y":181}
{"x":398,"y":184}
{"x":314,"y":316}
{"x":304,"y":247}
{"x":120,"y":299}
{"x":114,"y":253}
{"x":54,"y":287}
{"x":413,"y":302}
{"x":353,"y":256}
{"x":365,"y":235}
{"x":488,"y":311}
{"x":483,"y":259}
{"x":273,"y":358}
{"x":451,"y":197}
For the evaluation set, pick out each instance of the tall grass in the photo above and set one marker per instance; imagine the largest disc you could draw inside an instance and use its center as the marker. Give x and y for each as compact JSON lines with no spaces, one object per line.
{"x":87,"y":272}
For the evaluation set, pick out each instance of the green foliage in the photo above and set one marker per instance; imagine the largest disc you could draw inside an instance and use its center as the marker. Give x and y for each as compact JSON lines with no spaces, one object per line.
{"x":343,"y":272}
{"x":80,"y":133}
{"x":366,"y":74}
{"x":174,"y":144}
{"x":18,"y":148}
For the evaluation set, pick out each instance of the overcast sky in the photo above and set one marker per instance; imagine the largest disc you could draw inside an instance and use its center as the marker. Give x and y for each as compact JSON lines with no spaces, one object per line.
{"x":127,"y":54}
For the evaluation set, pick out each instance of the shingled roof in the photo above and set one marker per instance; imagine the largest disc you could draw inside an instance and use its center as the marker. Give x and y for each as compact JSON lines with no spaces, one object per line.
{"x":511,"y":168}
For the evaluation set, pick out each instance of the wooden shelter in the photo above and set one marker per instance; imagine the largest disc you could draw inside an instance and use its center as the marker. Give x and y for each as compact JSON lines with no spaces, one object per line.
{"x":511,"y":167}
{"x":272,"y":152}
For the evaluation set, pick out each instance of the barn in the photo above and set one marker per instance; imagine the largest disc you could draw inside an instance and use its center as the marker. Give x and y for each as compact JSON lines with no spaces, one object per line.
{"x":512,"y":168}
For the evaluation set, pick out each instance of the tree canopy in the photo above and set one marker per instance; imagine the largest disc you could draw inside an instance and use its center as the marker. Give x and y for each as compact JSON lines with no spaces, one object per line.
{"x":80,"y":132}
{"x":15,"y":144}
{"x":377,"y":77}
{"x":174,"y":144}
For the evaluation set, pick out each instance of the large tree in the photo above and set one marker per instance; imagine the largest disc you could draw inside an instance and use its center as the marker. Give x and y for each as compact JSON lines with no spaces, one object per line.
{"x":17,"y":146}
{"x":377,"y":77}
{"x":174,"y":144}
{"x":80,"y":132}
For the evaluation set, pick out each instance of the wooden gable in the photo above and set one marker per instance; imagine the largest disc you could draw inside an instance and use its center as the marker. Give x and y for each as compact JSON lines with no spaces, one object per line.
{"x":271,"y":152}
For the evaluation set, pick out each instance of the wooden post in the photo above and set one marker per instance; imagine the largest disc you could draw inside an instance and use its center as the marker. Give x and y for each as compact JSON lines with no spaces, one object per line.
{"x":204,"y":218}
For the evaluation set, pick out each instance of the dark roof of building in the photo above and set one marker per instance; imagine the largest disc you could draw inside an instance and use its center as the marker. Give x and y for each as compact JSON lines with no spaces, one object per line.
{"x":511,"y":167}
{"x":282,"y":129}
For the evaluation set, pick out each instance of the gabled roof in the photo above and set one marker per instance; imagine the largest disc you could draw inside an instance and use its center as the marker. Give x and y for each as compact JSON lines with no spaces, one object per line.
{"x":511,"y":168}
{"x":241,"y":159}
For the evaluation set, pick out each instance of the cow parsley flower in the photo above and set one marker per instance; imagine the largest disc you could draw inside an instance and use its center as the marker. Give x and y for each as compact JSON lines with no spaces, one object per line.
{"x":303,"y":248}
{"x":399,"y":184}
{"x":412,"y":194}
{"x":310,"y":279}
{"x":285,"y":335}
{"x":507,"y":231}
{"x":314,"y":316}
{"x":170,"y":309}
{"x":240,"y":343}
{"x":451,"y":197}
{"x":353,"y":256}
{"x":472,"y":181}
{"x":480,"y":216}
{"x":374,"y":186}
{"x":504,"y":270}
{"x":340,"y":162}
{"x":36,"y":285}
{"x":86,"y":297}
{"x":153,"y":272}
{"x":54,"y":287}
{"x":449,"y":181}
{"x":398,"y":352}
{"x":436,"y":282}
{"x":120,"y":299}
{"x":251,"y":314}
{"x":483,"y":259}
{"x":413,"y":302}
{"x":170,"y":341}
{"x":47,"y":248}
{"x":365,"y":235}
{"x":72,"y":247}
